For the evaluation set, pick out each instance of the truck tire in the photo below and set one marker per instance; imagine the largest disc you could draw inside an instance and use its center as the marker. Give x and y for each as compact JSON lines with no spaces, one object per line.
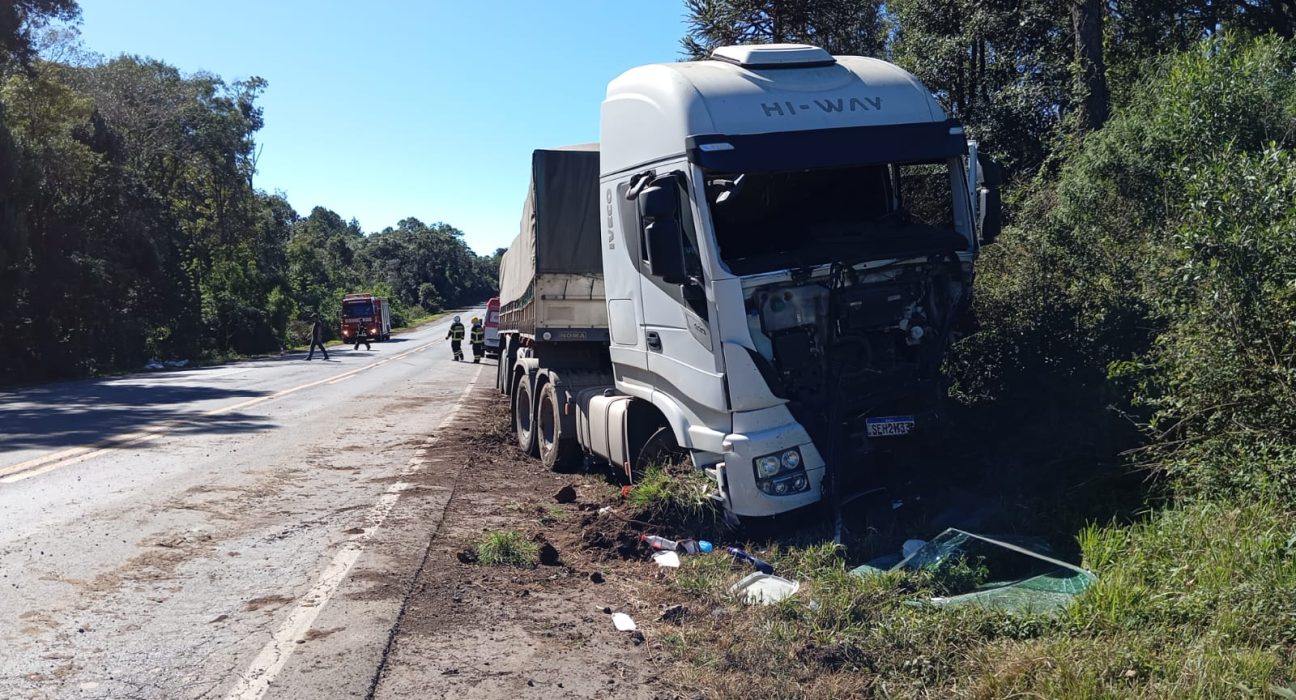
{"x":502,"y":369}
{"x":659,"y":450}
{"x":557,"y":451}
{"x":524,"y":417}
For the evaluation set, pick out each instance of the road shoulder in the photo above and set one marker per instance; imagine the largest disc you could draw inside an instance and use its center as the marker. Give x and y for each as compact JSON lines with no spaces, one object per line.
{"x":473,"y":631}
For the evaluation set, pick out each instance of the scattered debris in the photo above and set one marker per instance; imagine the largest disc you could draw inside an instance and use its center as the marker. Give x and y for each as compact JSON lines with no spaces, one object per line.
{"x":667,"y":559}
{"x":623,"y":622}
{"x":696,"y":546}
{"x":1013,"y":578}
{"x":764,"y":589}
{"x":566,"y":494}
{"x":636,"y":636}
{"x":761,"y":565}
{"x":172,"y":364}
{"x":549,"y":555}
{"x":674,"y":613}
{"x":660,"y":544}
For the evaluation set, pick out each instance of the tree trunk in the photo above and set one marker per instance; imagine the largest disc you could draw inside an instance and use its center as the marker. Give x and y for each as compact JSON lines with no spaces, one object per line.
{"x":1091,"y":74}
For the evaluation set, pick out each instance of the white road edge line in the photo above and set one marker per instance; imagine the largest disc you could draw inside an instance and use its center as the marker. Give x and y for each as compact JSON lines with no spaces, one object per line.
{"x":256,"y":680}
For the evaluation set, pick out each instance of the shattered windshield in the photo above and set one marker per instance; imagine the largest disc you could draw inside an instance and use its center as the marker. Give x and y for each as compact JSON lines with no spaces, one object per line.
{"x":357,"y":308}
{"x":772,"y":221}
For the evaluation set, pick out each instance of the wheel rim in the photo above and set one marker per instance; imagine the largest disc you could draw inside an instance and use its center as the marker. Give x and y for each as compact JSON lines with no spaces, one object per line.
{"x":524,"y":412}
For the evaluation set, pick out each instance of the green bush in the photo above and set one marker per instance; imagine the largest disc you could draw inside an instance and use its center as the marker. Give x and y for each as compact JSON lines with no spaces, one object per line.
{"x":1158,"y":273}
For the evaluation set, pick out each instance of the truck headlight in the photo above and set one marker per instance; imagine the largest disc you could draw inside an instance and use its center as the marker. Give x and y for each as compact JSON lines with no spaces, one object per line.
{"x":767,"y":466}
{"x":782,"y":473}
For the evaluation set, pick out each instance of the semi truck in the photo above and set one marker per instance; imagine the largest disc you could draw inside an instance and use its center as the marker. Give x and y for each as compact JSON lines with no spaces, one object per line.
{"x":365,"y":316}
{"x":757,"y":270}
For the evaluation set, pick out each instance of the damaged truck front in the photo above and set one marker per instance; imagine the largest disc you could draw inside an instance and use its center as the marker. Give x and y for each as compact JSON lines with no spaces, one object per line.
{"x":788,"y":241}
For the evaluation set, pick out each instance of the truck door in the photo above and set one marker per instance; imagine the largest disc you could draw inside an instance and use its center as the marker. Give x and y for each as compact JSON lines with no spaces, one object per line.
{"x":622,"y":284}
{"x":678,"y":318}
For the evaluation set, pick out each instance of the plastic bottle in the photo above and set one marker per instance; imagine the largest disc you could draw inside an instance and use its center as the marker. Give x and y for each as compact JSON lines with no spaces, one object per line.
{"x":761,"y":565}
{"x":660,"y":544}
{"x":696,"y":546}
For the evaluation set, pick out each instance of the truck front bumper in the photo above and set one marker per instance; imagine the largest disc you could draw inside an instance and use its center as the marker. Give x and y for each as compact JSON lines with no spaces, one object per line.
{"x":743,"y":447}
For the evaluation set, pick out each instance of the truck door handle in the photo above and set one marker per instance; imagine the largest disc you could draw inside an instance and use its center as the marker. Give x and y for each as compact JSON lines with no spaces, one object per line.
{"x":654,"y":341}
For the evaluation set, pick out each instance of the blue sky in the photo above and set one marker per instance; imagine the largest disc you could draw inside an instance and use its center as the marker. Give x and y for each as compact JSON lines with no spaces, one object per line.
{"x":393,"y":108}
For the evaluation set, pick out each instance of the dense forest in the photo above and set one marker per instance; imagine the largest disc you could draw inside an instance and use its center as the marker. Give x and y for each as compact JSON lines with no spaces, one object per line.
{"x":1131,"y":387}
{"x":130,"y":227}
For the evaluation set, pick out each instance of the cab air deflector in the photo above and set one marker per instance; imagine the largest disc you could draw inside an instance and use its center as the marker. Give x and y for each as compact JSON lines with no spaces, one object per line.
{"x":829,"y":148}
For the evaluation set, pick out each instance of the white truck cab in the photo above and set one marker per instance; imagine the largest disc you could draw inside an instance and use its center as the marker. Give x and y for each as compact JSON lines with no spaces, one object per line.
{"x":787,"y":239}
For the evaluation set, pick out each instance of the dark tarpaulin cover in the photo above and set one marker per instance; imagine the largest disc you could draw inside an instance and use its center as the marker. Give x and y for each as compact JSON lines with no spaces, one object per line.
{"x":565,"y":185}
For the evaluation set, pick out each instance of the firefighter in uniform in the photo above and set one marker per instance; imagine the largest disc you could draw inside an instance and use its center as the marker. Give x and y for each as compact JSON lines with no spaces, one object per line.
{"x":456,"y":336}
{"x":477,"y":336}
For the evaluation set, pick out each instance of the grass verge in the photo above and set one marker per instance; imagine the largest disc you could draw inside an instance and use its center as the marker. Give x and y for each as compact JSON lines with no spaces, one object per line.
{"x":506,"y":548}
{"x":1196,"y":600}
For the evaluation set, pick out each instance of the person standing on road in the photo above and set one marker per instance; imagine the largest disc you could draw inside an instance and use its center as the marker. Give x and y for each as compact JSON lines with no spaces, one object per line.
{"x":362,"y":336}
{"x":456,"y":336}
{"x":477,"y":336}
{"x":317,"y":337}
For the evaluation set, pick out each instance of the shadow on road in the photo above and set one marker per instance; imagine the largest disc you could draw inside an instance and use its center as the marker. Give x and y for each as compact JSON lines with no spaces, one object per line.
{"x":84,"y":413}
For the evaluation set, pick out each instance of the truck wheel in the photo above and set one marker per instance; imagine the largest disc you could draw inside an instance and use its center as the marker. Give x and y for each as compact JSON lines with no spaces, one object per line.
{"x":659,"y":450}
{"x":557,"y":451}
{"x":502,"y":370}
{"x":524,"y":417}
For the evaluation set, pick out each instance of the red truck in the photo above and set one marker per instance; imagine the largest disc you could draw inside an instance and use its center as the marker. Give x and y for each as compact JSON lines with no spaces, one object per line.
{"x":365,"y":316}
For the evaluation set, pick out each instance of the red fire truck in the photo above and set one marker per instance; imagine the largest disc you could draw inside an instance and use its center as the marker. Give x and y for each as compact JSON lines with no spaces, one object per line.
{"x":365,"y":316}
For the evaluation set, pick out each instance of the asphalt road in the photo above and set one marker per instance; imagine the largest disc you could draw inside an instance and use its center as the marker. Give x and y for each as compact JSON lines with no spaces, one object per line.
{"x":188,"y":533}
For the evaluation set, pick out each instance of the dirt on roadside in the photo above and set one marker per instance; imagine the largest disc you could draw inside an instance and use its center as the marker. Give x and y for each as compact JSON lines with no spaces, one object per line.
{"x":474,"y":631}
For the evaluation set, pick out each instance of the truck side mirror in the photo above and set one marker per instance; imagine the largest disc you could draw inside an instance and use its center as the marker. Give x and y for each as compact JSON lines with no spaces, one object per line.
{"x":659,"y":206}
{"x":991,"y":215}
{"x":991,"y":204}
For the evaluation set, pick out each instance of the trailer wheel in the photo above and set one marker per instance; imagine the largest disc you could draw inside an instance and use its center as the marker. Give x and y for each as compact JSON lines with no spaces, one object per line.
{"x":502,"y":369}
{"x":659,"y":450}
{"x":524,"y":417}
{"x":557,"y":451}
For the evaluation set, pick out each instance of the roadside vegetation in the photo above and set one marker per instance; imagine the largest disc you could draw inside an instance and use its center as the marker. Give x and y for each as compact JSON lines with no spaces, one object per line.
{"x":674,"y":494}
{"x":1129,"y":384}
{"x":506,"y":548}
{"x":131,"y":228}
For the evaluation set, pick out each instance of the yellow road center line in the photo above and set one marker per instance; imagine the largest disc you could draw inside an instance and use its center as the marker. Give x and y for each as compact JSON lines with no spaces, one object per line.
{"x":76,"y":455}
{"x":142,"y":436}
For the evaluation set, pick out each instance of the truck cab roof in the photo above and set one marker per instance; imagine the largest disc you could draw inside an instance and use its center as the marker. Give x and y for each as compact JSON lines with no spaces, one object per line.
{"x":651,"y":112}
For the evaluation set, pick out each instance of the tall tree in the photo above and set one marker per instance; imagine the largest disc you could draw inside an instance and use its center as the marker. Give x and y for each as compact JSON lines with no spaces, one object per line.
{"x":840,"y":26}
{"x":18,"y":20}
{"x":1091,"y":74}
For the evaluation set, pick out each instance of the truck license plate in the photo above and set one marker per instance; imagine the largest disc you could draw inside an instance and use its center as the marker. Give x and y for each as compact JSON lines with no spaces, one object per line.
{"x":888,"y":426}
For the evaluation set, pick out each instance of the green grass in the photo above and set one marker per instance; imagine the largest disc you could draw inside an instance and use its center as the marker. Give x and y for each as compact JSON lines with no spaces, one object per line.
{"x":677,"y":494}
{"x":1197,"y":600}
{"x":506,"y":548}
